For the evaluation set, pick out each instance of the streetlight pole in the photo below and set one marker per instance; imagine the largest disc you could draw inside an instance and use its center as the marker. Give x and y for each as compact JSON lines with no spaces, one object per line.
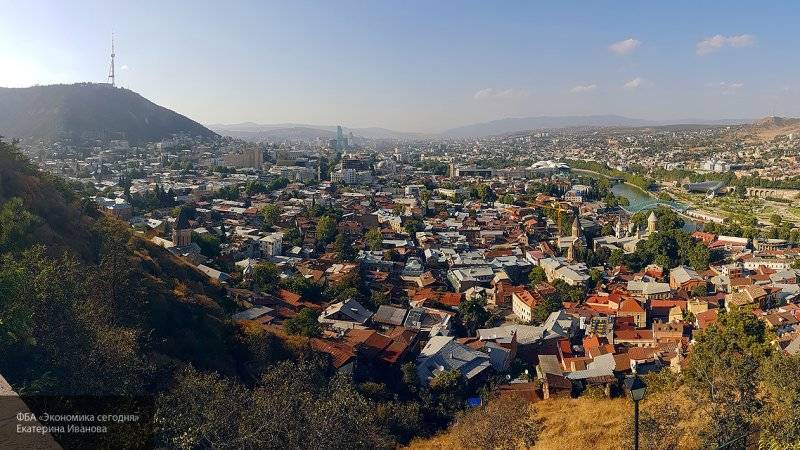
{"x":636,"y":387}
{"x":636,"y":425}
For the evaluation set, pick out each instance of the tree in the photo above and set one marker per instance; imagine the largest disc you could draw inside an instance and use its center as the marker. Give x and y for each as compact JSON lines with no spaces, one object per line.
{"x":17,"y":225}
{"x":443,"y":397}
{"x":536,"y":276}
{"x":775,"y":219}
{"x":125,"y":183}
{"x":595,"y":277}
{"x":699,"y":256}
{"x":721,"y":371}
{"x":616,"y":258}
{"x":293,"y":236}
{"x":303,"y":286}
{"x":223,"y":232}
{"x":374,"y":239}
{"x":781,"y":419}
{"x":202,"y":410}
{"x":425,"y":197}
{"x":699,"y":290}
{"x":208,"y":243}
{"x":326,"y":230}
{"x":548,"y":304}
{"x":666,"y":219}
{"x":270,"y":215}
{"x":228,"y":192}
{"x":343,"y":247}
{"x":484,"y":193}
{"x":413,"y":225}
{"x":266,"y":276}
{"x":378,"y":298}
{"x":473,"y":315}
{"x":305,"y":323}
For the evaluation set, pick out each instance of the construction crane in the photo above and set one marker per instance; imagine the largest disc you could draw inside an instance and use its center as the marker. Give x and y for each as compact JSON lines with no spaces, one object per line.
{"x":558,"y":208}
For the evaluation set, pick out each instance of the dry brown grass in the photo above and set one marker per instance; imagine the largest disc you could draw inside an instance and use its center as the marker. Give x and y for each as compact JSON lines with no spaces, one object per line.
{"x":569,"y":423}
{"x":596,"y":423}
{"x":566,"y":423}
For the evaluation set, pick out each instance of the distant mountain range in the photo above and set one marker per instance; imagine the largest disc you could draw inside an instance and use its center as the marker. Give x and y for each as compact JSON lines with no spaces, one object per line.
{"x":88,"y":111}
{"x":513,"y":125}
{"x":295,"y":131}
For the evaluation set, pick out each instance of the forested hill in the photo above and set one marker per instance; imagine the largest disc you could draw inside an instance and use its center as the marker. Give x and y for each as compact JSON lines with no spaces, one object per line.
{"x":86,"y":111}
{"x":88,"y":307}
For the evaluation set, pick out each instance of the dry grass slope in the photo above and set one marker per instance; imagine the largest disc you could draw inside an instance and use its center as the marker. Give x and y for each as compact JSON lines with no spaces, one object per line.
{"x":566,"y":423}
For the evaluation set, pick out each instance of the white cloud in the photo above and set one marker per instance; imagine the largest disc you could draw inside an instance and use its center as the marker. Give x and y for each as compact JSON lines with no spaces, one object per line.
{"x":728,"y":88}
{"x":500,"y":93}
{"x":625,"y":47}
{"x":714,"y":43}
{"x":634,"y":83}
{"x":580,"y":89}
{"x":124,"y":67}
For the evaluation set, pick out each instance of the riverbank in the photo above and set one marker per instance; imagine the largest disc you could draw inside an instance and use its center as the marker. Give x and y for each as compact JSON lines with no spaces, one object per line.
{"x":641,"y":199}
{"x":639,"y":188}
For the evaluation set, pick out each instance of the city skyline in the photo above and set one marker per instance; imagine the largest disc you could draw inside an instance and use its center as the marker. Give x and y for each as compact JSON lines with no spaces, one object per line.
{"x":424,"y":68}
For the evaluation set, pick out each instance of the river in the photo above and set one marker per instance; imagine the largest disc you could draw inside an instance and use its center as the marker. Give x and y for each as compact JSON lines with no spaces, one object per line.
{"x":640,"y":200}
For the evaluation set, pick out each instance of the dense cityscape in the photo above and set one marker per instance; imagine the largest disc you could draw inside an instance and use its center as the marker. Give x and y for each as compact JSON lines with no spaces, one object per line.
{"x":435,"y":225}
{"x":529,"y":266}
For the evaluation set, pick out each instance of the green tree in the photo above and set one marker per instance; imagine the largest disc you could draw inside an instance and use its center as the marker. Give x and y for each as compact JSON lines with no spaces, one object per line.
{"x":549,"y":304}
{"x":266,"y":276}
{"x":473,"y":315}
{"x":305,"y":323}
{"x":378,"y":298}
{"x":666,"y":219}
{"x":425,"y":197}
{"x":374,"y":239}
{"x":699,"y":291}
{"x":617,"y":258}
{"x":17,"y":225}
{"x":781,"y":418}
{"x":484,"y":193}
{"x":413,"y":225}
{"x":326,"y":230}
{"x":294,"y":237}
{"x":721,"y":371}
{"x":208,"y":243}
{"x":228,"y":192}
{"x":303,"y":286}
{"x":536,"y":276}
{"x":343,"y":247}
{"x":270,"y":215}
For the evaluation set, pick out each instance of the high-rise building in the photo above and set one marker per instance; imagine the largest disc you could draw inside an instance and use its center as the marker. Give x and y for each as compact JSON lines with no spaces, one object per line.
{"x":341,"y":140}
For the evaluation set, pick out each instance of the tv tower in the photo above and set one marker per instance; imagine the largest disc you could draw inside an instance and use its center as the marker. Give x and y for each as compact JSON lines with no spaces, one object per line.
{"x":111,"y":70}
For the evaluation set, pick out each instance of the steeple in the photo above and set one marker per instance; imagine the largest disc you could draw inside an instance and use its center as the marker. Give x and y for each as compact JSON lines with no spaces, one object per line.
{"x":571,"y":252}
{"x":652,"y":222}
{"x":576,"y":227}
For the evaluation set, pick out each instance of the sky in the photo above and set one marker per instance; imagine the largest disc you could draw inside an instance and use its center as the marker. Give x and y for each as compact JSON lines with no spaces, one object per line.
{"x":417,"y":65}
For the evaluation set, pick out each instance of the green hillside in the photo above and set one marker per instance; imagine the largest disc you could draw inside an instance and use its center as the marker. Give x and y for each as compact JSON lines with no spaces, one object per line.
{"x":87,"y":111}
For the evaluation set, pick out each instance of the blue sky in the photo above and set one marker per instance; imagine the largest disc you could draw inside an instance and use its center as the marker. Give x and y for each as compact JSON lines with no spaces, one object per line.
{"x":417,"y":65}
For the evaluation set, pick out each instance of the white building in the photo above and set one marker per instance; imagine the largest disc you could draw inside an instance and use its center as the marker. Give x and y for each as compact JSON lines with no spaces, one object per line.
{"x":272,"y":244}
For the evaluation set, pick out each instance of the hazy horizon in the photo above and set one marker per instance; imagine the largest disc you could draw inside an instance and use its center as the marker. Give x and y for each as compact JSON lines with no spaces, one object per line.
{"x":420,"y":68}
